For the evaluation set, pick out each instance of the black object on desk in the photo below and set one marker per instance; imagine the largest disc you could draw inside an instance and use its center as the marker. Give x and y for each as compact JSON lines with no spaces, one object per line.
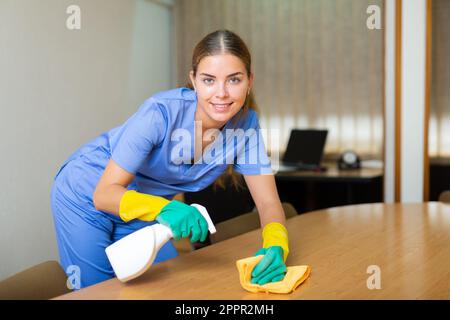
{"x":304,"y":150}
{"x":349,"y":160}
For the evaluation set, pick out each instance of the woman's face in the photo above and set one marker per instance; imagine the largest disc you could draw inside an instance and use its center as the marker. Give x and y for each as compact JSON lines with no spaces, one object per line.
{"x":222,"y":86}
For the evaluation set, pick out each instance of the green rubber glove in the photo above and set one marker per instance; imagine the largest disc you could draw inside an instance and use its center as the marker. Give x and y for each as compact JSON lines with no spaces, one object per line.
{"x":271,"y":268}
{"x":183,"y":220}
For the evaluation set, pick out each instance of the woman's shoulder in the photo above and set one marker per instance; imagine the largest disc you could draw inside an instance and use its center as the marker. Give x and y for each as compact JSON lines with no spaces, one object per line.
{"x":170,"y":105}
{"x":174,"y":102}
{"x":182,"y":93}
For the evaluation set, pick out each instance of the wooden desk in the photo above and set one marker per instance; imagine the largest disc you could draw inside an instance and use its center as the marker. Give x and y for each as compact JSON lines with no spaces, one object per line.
{"x":410,"y":243}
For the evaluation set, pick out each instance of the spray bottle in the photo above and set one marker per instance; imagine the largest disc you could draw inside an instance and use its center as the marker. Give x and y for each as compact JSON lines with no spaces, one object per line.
{"x":132,"y":255}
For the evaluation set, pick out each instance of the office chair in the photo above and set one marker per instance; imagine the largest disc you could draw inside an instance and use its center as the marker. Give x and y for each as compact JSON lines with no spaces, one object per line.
{"x":244,"y":223}
{"x":44,"y":281}
{"x":445,"y":196}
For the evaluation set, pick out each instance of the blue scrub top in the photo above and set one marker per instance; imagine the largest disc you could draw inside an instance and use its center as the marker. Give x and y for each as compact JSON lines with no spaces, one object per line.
{"x":156,"y":143}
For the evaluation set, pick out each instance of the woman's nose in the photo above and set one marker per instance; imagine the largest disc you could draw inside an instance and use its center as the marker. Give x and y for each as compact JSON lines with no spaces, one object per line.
{"x":222,"y":91}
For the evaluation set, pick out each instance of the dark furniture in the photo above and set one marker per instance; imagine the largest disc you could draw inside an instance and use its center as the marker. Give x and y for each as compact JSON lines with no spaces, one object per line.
{"x":309,"y":191}
{"x":305,"y":190}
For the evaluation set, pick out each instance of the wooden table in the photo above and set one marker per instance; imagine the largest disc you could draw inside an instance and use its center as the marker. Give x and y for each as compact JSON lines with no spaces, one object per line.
{"x":410,"y":243}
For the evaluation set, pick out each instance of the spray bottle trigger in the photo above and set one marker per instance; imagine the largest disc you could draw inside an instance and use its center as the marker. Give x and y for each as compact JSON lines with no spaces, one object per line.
{"x":204,"y":213}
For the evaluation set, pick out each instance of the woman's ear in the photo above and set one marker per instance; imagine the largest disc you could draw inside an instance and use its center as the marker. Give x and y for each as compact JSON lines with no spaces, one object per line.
{"x":250,"y":81}
{"x":191,"y":76}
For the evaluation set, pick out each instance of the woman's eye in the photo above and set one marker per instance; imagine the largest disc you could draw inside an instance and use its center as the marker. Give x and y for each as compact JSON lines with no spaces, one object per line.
{"x":235,"y":80}
{"x":208,"y":81}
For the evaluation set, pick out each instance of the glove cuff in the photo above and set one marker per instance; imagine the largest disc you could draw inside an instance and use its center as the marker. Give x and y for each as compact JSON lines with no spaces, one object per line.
{"x":140,"y":205}
{"x":275,"y":234}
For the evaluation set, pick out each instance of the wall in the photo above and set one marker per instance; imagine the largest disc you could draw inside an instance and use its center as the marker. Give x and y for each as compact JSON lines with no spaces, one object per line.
{"x":412,"y":99}
{"x":58,"y":89}
{"x":316,"y":64}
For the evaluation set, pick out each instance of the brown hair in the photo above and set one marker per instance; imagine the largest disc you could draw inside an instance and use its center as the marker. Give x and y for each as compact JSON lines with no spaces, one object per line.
{"x":221,"y":42}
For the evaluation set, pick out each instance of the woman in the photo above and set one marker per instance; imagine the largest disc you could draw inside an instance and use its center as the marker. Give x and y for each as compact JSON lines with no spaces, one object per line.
{"x":125,"y":179}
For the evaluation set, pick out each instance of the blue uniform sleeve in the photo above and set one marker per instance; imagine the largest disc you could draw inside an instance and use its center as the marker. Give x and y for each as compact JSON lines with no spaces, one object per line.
{"x":136,"y":138}
{"x":252,"y":157}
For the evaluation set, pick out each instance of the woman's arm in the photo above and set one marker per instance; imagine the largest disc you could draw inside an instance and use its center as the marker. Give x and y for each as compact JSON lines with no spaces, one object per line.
{"x":111,"y":187}
{"x":264,"y":192}
{"x":111,"y":195}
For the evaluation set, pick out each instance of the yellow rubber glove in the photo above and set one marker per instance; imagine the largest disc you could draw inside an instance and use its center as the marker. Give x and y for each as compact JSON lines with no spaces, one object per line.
{"x":275,"y":234}
{"x":135,"y":205}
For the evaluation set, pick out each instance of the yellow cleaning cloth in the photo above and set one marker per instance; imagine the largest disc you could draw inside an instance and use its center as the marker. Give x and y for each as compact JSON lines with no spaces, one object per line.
{"x":294,"y":277}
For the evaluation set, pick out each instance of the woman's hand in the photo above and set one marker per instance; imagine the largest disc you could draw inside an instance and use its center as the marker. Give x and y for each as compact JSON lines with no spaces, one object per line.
{"x":183,"y":220}
{"x":275,"y":246}
{"x":271,"y":268}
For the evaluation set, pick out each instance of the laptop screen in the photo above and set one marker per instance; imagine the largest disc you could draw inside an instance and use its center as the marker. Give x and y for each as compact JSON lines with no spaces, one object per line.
{"x":305,"y":147}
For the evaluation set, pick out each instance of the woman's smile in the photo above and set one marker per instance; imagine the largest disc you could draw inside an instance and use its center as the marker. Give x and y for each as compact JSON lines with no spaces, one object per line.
{"x":222,"y":107}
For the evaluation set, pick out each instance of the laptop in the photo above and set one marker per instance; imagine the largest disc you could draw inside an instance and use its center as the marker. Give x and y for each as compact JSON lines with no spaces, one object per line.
{"x":304,"y":150}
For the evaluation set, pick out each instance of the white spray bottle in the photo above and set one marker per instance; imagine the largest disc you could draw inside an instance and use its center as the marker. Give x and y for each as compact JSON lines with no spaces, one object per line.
{"x":132,"y":255}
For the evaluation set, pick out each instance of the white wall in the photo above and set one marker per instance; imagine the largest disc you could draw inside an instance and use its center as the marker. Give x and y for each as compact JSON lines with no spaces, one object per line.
{"x":413,"y":54}
{"x":413,"y":99}
{"x":389,"y":102}
{"x":60,"y":88}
